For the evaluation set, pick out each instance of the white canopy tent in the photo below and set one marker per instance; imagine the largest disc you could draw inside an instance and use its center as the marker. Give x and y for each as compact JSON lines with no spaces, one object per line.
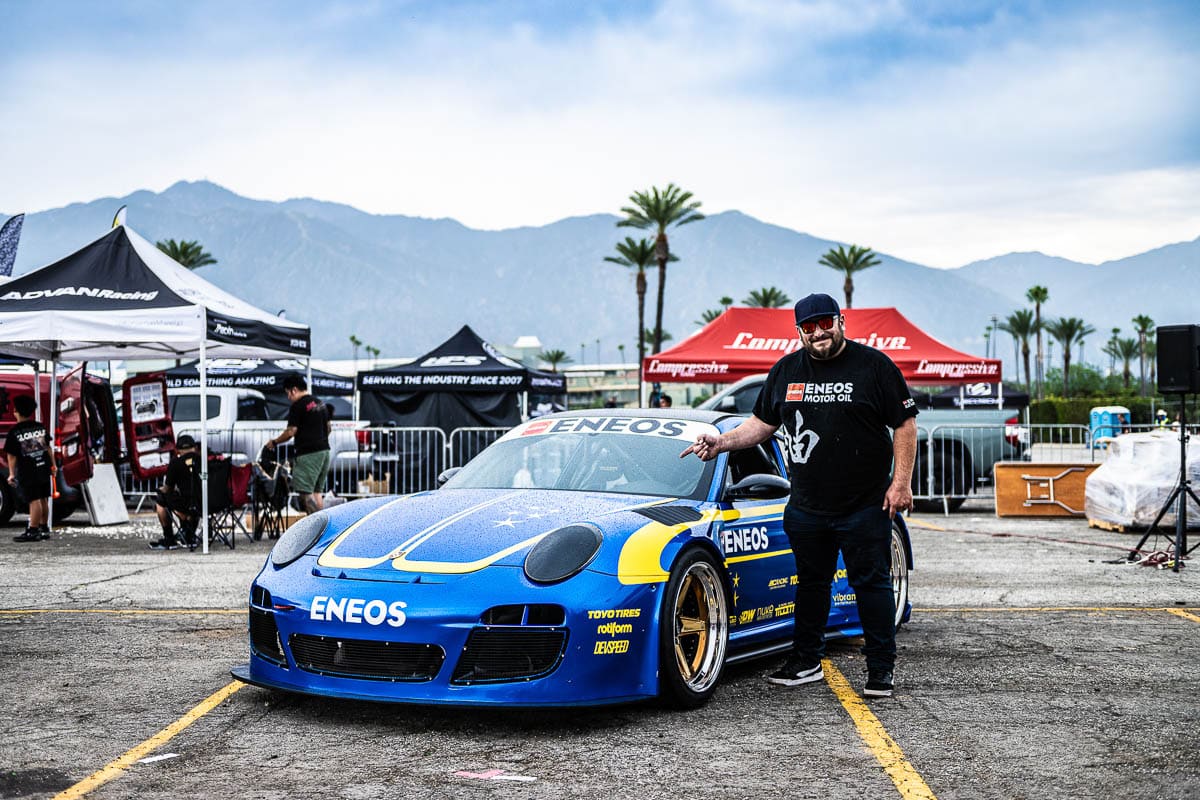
{"x":120,"y":297}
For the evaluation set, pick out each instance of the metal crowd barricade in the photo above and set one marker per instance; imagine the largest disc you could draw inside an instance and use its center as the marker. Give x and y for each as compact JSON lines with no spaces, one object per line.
{"x":466,"y":443}
{"x":403,"y":460}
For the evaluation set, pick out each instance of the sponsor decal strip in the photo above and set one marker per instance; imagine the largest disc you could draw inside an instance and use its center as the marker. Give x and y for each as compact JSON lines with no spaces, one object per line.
{"x":889,"y":755}
{"x":116,"y":768}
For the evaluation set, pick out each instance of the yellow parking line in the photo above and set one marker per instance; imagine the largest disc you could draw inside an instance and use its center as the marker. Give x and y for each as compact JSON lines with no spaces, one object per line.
{"x":1181,"y":613}
{"x":920,"y":523}
{"x":114,"y":769}
{"x":889,"y":755}
{"x":13,"y":612}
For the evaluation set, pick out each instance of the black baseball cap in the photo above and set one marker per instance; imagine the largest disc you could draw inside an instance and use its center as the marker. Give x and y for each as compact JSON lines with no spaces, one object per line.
{"x":184,"y":441}
{"x":816,"y":306}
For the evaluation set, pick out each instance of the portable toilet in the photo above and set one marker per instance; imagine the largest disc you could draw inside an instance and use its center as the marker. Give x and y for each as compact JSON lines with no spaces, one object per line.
{"x":1108,"y":422}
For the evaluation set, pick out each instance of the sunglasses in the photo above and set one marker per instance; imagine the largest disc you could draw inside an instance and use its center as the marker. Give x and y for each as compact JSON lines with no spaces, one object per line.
{"x":810,"y":326}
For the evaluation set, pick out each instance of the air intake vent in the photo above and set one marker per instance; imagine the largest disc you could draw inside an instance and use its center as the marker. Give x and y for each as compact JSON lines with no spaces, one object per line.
{"x":260,"y":597}
{"x":537,"y":614}
{"x":499,"y":655}
{"x":671,"y":515}
{"x":264,"y":637}
{"x":366,"y":659}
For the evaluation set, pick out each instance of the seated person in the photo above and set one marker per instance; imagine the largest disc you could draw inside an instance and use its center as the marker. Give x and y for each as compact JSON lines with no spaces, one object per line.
{"x":180,"y":493}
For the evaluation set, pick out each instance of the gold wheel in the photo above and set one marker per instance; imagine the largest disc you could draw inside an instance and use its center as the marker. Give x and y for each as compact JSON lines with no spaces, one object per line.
{"x":700,"y":622}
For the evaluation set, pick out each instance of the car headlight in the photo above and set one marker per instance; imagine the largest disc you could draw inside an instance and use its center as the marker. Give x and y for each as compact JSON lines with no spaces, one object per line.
{"x":297,"y":539}
{"x":562,"y":553}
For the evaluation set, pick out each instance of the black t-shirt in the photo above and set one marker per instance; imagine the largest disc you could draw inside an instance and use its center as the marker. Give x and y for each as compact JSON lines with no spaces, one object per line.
{"x":308,"y":416}
{"x":29,"y":442}
{"x":835,"y":416}
{"x":183,"y":474}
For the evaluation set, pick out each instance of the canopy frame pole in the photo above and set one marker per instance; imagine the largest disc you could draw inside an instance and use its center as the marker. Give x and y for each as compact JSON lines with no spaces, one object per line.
{"x":203,"y":443}
{"x":54,"y":443}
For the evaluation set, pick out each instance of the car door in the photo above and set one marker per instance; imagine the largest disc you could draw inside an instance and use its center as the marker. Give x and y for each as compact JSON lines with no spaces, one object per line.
{"x":149,"y":434}
{"x":72,"y":435}
{"x":762,"y":570}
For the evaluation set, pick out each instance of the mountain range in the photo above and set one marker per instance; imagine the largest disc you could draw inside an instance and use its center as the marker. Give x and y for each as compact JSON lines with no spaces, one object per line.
{"x":403,"y":284}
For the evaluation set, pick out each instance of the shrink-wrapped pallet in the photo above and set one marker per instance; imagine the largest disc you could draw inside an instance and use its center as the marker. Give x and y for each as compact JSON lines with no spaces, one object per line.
{"x":1130,"y":487}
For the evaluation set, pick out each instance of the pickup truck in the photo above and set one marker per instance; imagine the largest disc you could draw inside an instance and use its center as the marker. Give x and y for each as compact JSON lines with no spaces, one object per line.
{"x":966,"y":444}
{"x":239,"y":424}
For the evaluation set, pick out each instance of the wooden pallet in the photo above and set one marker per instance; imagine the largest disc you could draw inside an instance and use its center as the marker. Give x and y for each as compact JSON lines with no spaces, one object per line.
{"x":1105,"y":525}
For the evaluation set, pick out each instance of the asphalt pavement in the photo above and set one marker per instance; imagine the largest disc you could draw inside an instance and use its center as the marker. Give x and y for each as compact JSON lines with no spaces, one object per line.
{"x":1038,"y":663}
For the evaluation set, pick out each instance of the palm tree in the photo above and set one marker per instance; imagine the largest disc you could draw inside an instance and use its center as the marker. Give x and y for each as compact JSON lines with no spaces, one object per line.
{"x":767,"y":297}
{"x":1142,"y":325}
{"x":1111,"y":350}
{"x":554,"y":358}
{"x":1067,"y":331}
{"x":709,"y":314}
{"x":356,"y":343}
{"x":1127,"y":350}
{"x":1019,"y":324}
{"x":373,"y":352}
{"x":659,"y":210}
{"x":189,"y":254}
{"x":648,"y":335}
{"x":1038,"y":295}
{"x":638,"y":255}
{"x":856,"y":259}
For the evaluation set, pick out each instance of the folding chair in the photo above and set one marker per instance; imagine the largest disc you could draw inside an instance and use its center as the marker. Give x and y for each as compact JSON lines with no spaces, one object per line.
{"x":270,"y":491}
{"x":222,"y":517}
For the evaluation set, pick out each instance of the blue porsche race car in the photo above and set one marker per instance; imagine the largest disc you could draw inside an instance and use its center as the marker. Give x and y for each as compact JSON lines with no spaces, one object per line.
{"x":577,"y":561}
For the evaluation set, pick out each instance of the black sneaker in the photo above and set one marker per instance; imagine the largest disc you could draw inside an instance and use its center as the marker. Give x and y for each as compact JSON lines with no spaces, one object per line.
{"x":30,"y":535}
{"x":796,"y":672}
{"x":879,"y":684}
{"x":164,"y":544}
{"x":43,"y":532}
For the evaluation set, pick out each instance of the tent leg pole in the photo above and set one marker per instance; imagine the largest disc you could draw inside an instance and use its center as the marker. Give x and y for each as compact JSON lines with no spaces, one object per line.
{"x":203,"y":444}
{"x":54,"y":443}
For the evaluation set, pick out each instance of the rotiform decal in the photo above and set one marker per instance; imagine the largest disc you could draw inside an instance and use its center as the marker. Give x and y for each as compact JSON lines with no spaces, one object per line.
{"x":80,"y":291}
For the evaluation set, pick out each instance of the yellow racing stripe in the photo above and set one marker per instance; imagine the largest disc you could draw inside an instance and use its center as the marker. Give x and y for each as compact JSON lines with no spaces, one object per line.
{"x":114,"y":769}
{"x":889,"y":755}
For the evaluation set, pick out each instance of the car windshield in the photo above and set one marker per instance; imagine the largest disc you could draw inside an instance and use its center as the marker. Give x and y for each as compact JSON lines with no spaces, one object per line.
{"x":616,"y":454}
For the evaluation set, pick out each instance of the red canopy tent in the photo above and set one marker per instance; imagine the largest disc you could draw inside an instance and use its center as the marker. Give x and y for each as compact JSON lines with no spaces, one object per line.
{"x":748,"y":341}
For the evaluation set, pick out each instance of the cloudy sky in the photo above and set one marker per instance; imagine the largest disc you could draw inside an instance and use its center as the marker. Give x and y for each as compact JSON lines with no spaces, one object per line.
{"x":940,"y":132}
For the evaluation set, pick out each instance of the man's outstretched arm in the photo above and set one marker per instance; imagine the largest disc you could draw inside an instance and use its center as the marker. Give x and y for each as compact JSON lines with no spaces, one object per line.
{"x":708,"y":446}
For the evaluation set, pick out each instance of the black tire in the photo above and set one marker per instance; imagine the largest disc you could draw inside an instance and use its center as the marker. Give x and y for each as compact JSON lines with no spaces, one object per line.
{"x":63,"y":509}
{"x":899,"y":574}
{"x":8,"y":501}
{"x":693,"y":631}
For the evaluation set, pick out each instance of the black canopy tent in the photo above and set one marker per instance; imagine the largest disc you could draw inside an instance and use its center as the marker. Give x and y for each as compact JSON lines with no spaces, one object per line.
{"x":120,"y":297}
{"x":977,"y":395}
{"x":463,"y":382}
{"x":265,"y":375}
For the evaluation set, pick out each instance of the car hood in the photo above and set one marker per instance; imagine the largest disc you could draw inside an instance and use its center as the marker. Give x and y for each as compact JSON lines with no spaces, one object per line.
{"x":433,"y":536}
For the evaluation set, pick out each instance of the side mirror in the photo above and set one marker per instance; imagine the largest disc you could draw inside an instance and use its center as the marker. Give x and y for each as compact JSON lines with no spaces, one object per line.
{"x":759,"y":486}
{"x":447,"y":475}
{"x":728,"y":403}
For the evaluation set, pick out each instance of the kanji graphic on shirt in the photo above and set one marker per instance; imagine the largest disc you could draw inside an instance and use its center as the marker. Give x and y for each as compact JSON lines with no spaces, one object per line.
{"x":800,"y":444}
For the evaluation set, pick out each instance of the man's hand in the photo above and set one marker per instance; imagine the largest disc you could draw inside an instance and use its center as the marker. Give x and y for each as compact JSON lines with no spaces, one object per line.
{"x":898,"y":498}
{"x":706,"y":447}
{"x":270,"y":445}
{"x":12,"y":480}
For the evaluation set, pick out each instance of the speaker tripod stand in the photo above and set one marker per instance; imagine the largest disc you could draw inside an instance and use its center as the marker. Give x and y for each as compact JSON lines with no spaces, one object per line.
{"x":1180,"y":493}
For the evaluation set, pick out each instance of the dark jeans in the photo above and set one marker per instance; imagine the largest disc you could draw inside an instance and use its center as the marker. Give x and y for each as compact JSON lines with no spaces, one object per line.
{"x":864,"y":537}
